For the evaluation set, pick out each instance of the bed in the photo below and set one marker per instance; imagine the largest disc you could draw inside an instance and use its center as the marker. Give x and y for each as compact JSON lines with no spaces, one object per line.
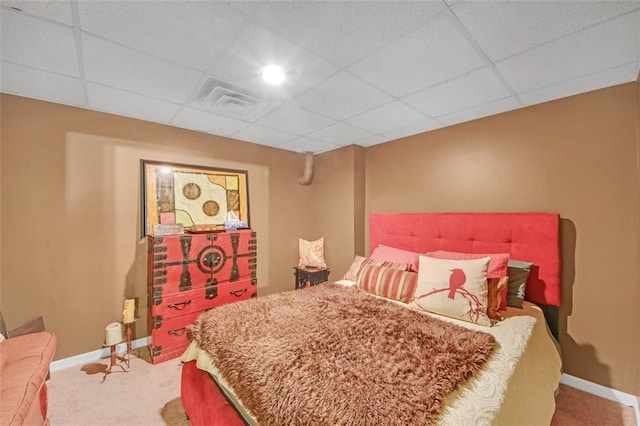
{"x":514,"y":384}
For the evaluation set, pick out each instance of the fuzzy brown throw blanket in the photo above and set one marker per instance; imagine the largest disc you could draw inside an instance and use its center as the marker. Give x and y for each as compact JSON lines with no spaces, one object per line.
{"x":330,"y":355}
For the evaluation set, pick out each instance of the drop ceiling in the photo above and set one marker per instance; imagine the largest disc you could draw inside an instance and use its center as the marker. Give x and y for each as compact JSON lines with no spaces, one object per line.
{"x":358,"y":72}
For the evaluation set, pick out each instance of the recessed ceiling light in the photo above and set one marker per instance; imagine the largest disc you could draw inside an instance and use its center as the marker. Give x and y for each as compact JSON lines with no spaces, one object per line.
{"x":273,"y":74}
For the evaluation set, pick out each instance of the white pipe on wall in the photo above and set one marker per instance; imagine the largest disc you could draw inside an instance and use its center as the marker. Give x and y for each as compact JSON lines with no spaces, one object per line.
{"x":307,"y":173}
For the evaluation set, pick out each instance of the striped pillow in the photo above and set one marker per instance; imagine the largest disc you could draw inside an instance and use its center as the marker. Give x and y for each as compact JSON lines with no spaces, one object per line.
{"x":352,"y":272}
{"x":385,"y":263}
{"x":360,"y":262}
{"x":387,"y":282}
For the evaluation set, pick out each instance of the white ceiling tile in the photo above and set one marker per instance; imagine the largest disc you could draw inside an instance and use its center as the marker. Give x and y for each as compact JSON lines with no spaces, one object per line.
{"x":199,"y":35}
{"x":340,"y":134}
{"x":119,"y":102}
{"x":503,"y":28}
{"x":304,"y":144}
{"x":123,"y":68}
{"x":390,"y":116}
{"x":32,"y":83}
{"x":343,"y":32}
{"x":343,"y":96}
{"x":290,"y":118}
{"x":586,"y":52}
{"x":476,"y":88}
{"x":59,"y":11}
{"x":372,"y":140}
{"x":491,"y":108}
{"x":623,"y":74}
{"x":256,"y":48}
{"x":245,"y":8}
{"x":431,"y":55}
{"x":191,"y":118}
{"x":264,"y":135}
{"x":413,"y":129}
{"x":35,"y":43}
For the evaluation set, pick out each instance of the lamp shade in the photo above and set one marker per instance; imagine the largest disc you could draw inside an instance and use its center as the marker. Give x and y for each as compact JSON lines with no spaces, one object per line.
{"x":113,"y":334}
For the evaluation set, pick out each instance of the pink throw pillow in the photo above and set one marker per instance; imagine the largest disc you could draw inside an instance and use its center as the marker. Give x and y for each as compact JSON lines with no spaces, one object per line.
{"x":396,"y":255}
{"x":359,"y":263}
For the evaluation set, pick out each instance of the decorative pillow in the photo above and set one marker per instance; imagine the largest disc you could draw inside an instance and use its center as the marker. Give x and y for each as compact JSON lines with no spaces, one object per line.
{"x":352,"y":272}
{"x":311,"y":253}
{"x":496,"y":296}
{"x":388,"y":282}
{"x":396,"y":255}
{"x":518,"y":274}
{"x":455,"y":288}
{"x":497,"y":264}
{"x":360,"y":262}
{"x":385,"y":263}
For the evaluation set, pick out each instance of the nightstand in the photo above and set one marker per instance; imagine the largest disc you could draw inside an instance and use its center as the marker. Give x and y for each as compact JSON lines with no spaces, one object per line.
{"x":308,"y":276}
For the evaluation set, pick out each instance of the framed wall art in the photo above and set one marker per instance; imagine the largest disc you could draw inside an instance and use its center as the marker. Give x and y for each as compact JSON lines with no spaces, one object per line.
{"x":194,"y":196}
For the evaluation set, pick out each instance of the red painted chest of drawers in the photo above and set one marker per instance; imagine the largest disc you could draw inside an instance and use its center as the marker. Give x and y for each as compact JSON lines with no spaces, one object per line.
{"x":189,"y":274}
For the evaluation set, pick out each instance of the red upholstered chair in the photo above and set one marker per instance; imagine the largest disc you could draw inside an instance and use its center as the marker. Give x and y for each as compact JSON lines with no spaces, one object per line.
{"x":24,"y":367}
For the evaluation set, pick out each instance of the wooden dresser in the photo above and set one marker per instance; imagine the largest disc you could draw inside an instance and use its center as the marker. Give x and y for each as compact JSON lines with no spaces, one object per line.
{"x":189,"y":274}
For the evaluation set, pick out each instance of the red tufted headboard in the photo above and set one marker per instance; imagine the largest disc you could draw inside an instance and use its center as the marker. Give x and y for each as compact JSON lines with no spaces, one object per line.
{"x":532,"y":237}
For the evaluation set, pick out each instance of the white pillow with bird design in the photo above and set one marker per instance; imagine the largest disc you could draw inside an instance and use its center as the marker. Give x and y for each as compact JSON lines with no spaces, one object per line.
{"x":455,"y":288}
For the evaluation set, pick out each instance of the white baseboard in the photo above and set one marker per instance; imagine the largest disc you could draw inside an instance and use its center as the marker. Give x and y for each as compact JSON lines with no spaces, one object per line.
{"x":96,"y":355}
{"x":603,"y":392}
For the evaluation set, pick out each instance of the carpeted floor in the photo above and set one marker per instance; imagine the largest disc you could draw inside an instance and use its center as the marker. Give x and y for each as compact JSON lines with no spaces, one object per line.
{"x":150,"y":395}
{"x":145,"y":395}
{"x":575,"y":407}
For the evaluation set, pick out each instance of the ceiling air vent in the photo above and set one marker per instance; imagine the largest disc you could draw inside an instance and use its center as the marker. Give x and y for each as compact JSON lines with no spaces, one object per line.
{"x":226,"y":99}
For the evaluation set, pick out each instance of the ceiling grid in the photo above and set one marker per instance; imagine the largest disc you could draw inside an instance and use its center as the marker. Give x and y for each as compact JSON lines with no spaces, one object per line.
{"x":357,"y":72}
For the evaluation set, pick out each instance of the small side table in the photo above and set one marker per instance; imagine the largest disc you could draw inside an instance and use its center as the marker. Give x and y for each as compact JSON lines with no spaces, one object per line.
{"x":308,"y":276}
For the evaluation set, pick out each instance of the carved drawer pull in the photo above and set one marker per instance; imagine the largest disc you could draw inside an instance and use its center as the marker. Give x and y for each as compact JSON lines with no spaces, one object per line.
{"x":177,"y":331}
{"x":179,"y":306}
{"x":238,"y":293}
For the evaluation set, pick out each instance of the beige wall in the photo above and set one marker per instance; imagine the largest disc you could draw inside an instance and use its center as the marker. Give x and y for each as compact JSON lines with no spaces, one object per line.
{"x":638,"y":216}
{"x":338,"y":206}
{"x":1,"y":215}
{"x":69,"y":206}
{"x":71,"y":212}
{"x":576,"y":156}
